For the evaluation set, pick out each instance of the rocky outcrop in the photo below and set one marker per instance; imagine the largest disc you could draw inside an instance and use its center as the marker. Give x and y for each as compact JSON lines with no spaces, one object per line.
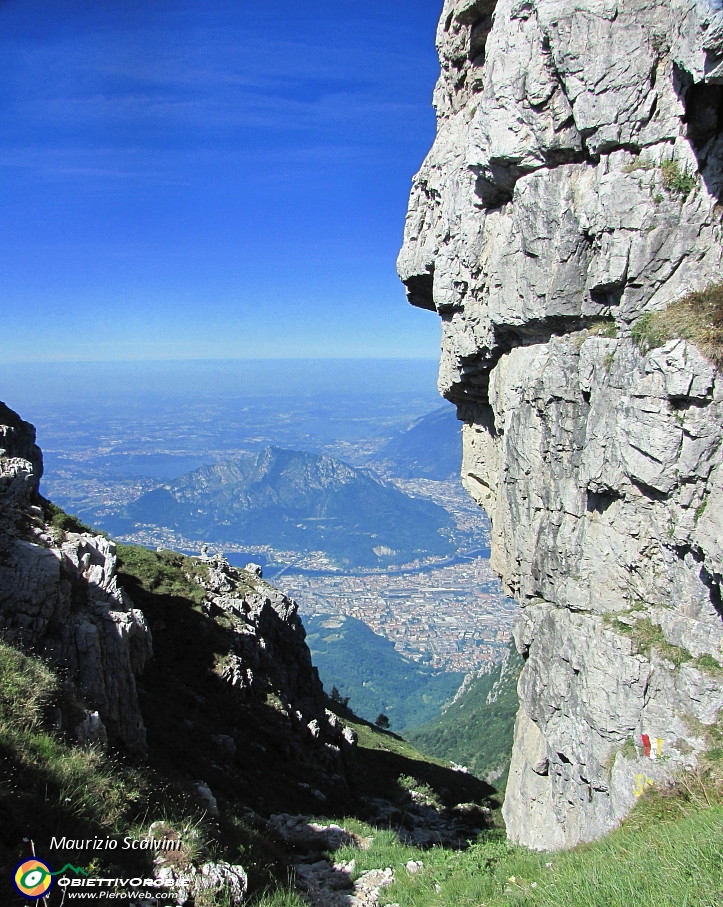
{"x":21,"y":462}
{"x":59,"y":596}
{"x":574,"y":185}
{"x":269,"y":661}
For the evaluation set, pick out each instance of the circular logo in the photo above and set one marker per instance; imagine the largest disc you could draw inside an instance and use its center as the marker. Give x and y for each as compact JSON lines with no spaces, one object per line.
{"x":32,"y":878}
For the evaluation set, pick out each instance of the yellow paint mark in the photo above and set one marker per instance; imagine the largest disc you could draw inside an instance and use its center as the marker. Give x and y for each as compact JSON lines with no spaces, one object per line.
{"x":641,"y":782}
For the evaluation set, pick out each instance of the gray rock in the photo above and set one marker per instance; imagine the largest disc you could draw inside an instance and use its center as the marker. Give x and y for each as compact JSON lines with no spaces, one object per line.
{"x":349,"y":736}
{"x":206,"y":797}
{"x":21,"y":462}
{"x":321,"y":882}
{"x":91,"y":732}
{"x":226,"y":746}
{"x":540,"y":209}
{"x":219,"y":878}
{"x":59,"y":595}
{"x":299,"y":832}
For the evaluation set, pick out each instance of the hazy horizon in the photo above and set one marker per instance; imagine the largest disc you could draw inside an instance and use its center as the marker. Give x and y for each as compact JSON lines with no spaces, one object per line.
{"x":32,"y":389}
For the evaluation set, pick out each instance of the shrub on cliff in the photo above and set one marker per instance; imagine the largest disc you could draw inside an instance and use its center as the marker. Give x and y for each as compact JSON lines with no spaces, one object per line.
{"x":697,"y":317}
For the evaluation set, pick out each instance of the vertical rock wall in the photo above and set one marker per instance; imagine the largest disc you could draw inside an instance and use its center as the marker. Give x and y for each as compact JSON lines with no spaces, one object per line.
{"x":575,"y":184}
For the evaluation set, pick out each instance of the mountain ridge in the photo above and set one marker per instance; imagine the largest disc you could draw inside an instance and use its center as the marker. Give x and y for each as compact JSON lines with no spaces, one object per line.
{"x":429,"y":448}
{"x":299,"y":500}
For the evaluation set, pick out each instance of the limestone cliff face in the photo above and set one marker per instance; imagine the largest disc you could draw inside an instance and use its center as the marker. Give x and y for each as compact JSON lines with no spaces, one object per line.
{"x":574,"y":185}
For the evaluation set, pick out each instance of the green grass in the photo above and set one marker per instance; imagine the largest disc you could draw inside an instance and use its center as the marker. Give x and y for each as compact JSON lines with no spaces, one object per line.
{"x":676,"y":180}
{"x":45,"y":780}
{"x":603,"y":327}
{"x":668,"y":864}
{"x":667,"y":853}
{"x":700,"y":509}
{"x":62,"y":522}
{"x":600,"y":327}
{"x":640,"y":163}
{"x":421,"y":789}
{"x":161,"y":572}
{"x":279,"y":897}
{"x":709,"y":664}
{"x":697,"y":317}
{"x":647,"y":636}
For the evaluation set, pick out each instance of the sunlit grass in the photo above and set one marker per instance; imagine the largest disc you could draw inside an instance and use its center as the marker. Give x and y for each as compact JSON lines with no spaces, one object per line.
{"x":697,"y":317}
{"x":667,"y":863}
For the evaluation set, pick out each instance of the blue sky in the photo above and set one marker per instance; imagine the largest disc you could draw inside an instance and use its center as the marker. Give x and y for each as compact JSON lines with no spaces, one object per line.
{"x":210,"y":178}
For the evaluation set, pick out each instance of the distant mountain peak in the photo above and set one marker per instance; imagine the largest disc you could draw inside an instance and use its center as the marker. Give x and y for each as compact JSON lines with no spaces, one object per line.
{"x":430,"y":448}
{"x":300,"y":501}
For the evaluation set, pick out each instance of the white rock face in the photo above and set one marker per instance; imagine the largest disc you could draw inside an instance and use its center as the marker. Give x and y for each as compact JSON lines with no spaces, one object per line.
{"x":542,"y":211}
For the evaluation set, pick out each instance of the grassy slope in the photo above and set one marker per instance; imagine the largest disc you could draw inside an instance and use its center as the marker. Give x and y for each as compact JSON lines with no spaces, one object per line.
{"x":667,"y":864}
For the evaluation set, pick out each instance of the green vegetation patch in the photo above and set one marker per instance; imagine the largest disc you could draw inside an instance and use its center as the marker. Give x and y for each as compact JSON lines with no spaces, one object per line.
{"x":647,"y":636}
{"x":640,"y":163}
{"x":603,"y":327}
{"x":697,"y":317}
{"x":421,"y":789}
{"x":600,"y":327}
{"x":63,"y":522}
{"x":46,"y":782}
{"x":667,"y":864}
{"x":667,"y":853}
{"x":675,"y":179}
{"x":161,"y":572}
{"x":709,"y":664}
{"x":698,"y":789}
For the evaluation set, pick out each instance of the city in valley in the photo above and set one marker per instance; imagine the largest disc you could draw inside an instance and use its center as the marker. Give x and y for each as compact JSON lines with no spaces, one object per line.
{"x":452,"y":615}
